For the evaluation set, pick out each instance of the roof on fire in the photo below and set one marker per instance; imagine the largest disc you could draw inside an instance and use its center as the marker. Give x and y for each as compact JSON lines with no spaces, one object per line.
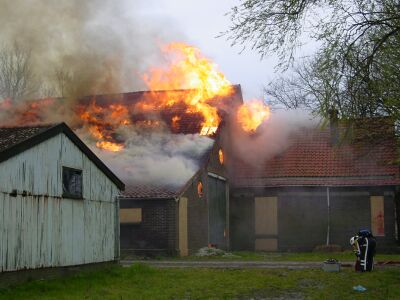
{"x":15,"y":140}
{"x":189,"y":123}
{"x":312,"y":159}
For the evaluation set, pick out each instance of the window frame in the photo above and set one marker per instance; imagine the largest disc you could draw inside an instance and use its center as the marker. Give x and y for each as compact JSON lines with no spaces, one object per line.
{"x":68,"y":195}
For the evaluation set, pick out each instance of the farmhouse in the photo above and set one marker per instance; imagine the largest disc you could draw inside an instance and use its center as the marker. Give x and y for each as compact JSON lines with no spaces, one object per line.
{"x":320,"y":191}
{"x":180,"y":219}
{"x":58,"y":201}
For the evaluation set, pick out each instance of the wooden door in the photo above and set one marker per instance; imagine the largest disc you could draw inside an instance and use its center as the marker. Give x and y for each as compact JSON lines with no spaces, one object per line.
{"x":183,"y":227}
{"x":266,"y":223}
{"x":217,"y":212}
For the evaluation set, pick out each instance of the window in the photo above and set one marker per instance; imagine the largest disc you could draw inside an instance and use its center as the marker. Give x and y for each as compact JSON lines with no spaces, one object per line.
{"x":130,"y":215}
{"x":221,"y":156}
{"x":72,"y":183}
{"x":200,"y":189}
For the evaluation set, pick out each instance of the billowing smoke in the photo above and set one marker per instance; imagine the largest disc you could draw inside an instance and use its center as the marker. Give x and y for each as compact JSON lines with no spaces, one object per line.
{"x":79,"y":47}
{"x":76,"y":48}
{"x":272,"y":137}
{"x":158,"y":157}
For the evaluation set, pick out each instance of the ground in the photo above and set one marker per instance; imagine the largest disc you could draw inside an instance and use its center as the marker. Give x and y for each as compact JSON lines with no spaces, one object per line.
{"x":140,"y":281}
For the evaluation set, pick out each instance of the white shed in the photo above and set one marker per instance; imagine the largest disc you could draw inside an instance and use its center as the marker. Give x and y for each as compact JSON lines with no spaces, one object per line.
{"x":58,"y":201}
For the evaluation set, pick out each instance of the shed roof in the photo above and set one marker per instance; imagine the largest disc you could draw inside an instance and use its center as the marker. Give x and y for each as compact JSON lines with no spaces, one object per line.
{"x":313,"y":160}
{"x":15,"y":140}
{"x":136,"y":192}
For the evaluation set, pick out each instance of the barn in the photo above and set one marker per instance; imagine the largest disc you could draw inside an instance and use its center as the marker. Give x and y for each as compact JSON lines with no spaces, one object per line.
{"x":178,"y":220}
{"x":321,"y":190}
{"x":58,"y":201}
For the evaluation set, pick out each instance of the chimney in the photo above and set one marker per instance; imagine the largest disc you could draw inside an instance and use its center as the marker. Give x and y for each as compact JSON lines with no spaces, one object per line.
{"x":334,"y":125}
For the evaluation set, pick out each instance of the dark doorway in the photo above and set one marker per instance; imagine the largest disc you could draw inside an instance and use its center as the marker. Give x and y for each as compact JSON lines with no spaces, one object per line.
{"x":217,"y":212}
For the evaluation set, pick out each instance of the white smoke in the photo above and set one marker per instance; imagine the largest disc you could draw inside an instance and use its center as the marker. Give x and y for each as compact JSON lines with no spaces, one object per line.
{"x":272,"y":138}
{"x":157,"y":158}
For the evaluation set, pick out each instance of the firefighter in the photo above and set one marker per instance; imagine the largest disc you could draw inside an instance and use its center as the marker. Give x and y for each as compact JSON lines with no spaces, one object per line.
{"x":364,"y":246}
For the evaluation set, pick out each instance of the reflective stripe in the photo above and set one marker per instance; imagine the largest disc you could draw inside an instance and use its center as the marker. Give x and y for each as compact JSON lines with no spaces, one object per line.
{"x":365,"y":255}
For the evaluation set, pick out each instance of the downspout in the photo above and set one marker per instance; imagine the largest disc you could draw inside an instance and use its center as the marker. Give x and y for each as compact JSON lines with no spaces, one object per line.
{"x":328,"y":202}
{"x":117,"y":254}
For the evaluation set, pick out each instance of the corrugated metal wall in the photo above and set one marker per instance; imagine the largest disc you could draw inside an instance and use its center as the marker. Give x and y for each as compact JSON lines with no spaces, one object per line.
{"x":38,"y":228}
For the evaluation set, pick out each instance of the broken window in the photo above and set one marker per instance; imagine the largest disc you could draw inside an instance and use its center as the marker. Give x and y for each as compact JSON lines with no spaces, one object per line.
{"x":72,"y":183}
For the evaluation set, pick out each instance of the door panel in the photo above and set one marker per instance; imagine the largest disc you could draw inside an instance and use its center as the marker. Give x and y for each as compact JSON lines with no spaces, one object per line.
{"x":217,"y":212}
{"x":183,"y":227}
{"x":266,"y":223}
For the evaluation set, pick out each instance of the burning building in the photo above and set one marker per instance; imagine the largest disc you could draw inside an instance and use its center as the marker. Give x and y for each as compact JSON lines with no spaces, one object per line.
{"x":161,"y":216}
{"x":326,"y":185}
{"x":58,"y":201}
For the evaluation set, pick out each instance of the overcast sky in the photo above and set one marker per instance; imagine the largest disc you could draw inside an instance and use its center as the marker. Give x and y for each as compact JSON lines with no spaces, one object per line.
{"x":198,"y":23}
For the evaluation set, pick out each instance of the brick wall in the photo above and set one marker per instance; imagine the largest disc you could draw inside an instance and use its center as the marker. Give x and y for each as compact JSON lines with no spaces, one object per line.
{"x":157,"y":231}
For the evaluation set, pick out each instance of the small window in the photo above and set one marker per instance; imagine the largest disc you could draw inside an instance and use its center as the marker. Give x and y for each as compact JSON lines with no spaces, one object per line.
{"x":200,"y":189}
{"x":130,"y":215}
{"x":221,"y":156}
{"x":72,"y":183}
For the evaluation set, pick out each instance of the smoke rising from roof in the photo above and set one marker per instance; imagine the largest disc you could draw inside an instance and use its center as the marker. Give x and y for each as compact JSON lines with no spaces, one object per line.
{"x":272,"y":137}
{"x":80,"y":47}
{"x":158,"y":157}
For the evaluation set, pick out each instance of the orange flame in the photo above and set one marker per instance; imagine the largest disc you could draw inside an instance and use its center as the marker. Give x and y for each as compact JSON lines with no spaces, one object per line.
{"x":252,"y":114}
{"x":190,"y":70}
{"x":102,"y":122}
{"x":191,"y":85}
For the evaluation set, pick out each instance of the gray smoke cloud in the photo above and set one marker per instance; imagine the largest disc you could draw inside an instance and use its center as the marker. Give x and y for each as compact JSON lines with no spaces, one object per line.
{"x":271,"y":138}
{"x":157,"y":157}
{"x":82,"y":47}
{"x":95,"y":47}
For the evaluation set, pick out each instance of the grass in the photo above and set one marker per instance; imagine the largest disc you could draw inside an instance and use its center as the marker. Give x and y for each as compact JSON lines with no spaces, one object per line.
{"x":143,"y":282}
{"x":346,"y":256}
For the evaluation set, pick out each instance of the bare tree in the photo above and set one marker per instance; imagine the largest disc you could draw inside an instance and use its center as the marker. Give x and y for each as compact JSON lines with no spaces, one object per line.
{"x":356,"y":68}
{"x":17,"y":80}
{"x":63,"y":81}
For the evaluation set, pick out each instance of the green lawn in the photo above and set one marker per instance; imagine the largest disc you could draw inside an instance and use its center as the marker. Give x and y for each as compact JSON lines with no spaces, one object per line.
{"x":143,"y":282}
{"x":346,"y":256}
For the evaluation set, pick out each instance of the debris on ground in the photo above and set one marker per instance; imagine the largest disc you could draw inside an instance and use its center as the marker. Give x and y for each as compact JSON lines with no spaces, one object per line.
{"x":211,"y":251}
{"x":331,"y":265}
{"x":359,"y":288}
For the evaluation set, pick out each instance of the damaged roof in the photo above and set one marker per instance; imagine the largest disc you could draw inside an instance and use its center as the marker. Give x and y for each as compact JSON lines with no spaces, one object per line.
{"x":188,"y":123}
{"x":313,"y":159}
{"x":185,"y":123}
{"x":15,"y":140}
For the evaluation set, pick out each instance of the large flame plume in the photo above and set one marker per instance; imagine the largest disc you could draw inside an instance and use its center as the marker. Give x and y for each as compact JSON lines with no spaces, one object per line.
{"x":189,"y":84}
{"x":252,"y":114}
{"x":188,"y":69}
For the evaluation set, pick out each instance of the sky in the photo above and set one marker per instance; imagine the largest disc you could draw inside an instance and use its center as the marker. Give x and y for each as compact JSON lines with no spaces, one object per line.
{"x":199,"y":23}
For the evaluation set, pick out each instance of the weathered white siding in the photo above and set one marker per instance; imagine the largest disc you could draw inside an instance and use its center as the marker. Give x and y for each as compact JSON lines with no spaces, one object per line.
{"x":42,"y":229}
